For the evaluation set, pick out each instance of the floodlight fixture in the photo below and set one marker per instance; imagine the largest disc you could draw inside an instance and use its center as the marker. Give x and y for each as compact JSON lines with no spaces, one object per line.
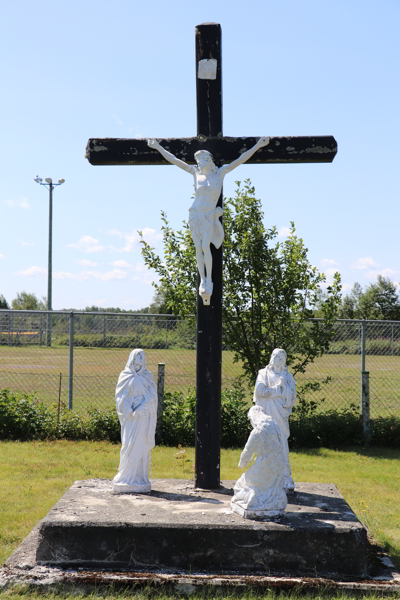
{"x":48,"y":183}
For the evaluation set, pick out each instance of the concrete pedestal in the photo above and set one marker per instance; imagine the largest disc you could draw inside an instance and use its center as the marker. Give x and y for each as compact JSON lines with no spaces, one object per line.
{"x":123,"y":488}
{"x":176,"y":528}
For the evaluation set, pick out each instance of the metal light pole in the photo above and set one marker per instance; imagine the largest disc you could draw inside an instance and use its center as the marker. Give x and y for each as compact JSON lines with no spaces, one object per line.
{"x":48,"y":183}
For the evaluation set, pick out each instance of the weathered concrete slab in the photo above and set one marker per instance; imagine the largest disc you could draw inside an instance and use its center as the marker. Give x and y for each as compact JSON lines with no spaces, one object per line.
{"x":179,"y":529}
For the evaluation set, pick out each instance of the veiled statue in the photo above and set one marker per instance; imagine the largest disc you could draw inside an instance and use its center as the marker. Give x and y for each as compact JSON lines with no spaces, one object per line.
{"x":136,"y":400}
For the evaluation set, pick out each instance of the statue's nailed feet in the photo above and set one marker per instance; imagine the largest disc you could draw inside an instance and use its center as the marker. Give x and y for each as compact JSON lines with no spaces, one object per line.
{"x":205,"y":290}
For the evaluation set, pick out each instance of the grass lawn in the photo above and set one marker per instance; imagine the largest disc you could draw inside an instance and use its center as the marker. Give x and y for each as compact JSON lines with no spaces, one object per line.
{"x":31,"y":369}
{"x":35,"y":474}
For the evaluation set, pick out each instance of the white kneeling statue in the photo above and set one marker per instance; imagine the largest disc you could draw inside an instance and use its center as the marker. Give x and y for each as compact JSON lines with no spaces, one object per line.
{"x":275,"y":392}
{"x":136,"y":398}
{"x":259,"y":492}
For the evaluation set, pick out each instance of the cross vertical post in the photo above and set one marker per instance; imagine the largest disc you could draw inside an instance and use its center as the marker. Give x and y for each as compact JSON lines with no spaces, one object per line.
{"x":209,"y":318}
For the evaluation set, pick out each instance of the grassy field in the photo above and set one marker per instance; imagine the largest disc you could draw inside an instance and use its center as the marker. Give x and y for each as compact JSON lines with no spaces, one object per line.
{"x":35,"y":474}
{"x":38,"y":369}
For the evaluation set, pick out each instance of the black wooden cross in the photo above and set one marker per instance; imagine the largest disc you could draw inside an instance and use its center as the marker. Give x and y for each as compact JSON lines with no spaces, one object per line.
{"x":110,"y":151}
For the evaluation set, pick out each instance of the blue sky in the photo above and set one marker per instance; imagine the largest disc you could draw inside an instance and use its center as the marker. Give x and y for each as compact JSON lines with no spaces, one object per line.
{"x":74,"y":70}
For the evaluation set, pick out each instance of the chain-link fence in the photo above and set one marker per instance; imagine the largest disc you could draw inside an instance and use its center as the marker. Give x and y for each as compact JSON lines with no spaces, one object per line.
{"x":75,"y":358}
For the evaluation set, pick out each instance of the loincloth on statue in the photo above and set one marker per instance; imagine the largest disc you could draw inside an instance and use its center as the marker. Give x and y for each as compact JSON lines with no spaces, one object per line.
{"x":206,"y":225}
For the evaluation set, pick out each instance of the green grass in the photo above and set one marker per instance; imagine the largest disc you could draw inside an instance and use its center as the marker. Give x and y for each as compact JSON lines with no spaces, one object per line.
{"x":29,"y":369}
{"x":35,"y":474}
{"x":209,"y":593}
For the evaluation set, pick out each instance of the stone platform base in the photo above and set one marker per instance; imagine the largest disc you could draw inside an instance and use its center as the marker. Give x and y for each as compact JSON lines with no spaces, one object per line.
{"x":178,"y":529}
{"x":123,"y":488}
{"x":256,"y":515}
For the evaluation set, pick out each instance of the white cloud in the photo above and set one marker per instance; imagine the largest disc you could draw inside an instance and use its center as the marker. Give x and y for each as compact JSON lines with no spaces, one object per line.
{"x":1,"y":255}
{"x":34,"y":271}
{"x":85,"y":275}
{"x":21,"y":202}
{"x":144,"y":275}
{"x":109,"y":275}
{"x":132,"y":239}
{"x":328,"y":262}
{"x":87,"y":244}
{"x":26,"y":243}
{"x":330,"y":272}
{"x":284,"y":232}
{"x":121,"y":263}
{"x":65,"y":275}
{"x":364,"y":263}
{"x":384,"y":272}
{"x":141,"y":268}
{"x":86,"y":263}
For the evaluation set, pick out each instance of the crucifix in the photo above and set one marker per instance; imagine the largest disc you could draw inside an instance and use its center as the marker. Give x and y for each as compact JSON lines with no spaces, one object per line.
{"x":229,"y":151}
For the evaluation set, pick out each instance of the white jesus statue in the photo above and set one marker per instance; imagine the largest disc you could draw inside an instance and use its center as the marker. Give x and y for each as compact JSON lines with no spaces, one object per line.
{"x":204,"y":214}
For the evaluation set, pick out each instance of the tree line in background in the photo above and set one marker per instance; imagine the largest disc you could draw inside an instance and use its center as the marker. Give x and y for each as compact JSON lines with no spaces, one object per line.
{"x":378,"y":300}
{"x":27,"y":301}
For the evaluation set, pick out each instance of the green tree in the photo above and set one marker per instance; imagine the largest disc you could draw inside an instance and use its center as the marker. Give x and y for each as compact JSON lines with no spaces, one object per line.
{"x":380,"y":300}
{"x":270,"y":288}
{"x":349,"y":307}
{"x":25,"y":301}
{"x":3,"y":302}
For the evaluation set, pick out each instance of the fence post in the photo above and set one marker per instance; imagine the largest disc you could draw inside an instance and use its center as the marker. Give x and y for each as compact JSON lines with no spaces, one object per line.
{"x":362,"y":349}
{"x":364,"y":392}
{"x":70,"y":359}
{"x":365,"y":406}
{"x":49,"y":329}
{"x":160,"y":398}
{"x":40,"y":330}
{"x":10,"y":329}
{"x":362,"y":362}
{"x":392,"y":344}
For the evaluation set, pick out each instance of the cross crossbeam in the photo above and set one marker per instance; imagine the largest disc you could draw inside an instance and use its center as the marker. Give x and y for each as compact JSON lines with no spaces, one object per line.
{"x":301,"y":149}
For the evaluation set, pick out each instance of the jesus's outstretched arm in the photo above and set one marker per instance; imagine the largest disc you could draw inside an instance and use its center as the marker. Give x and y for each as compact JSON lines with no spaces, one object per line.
{"x":263,"y":141}
{"x":170,"y":157}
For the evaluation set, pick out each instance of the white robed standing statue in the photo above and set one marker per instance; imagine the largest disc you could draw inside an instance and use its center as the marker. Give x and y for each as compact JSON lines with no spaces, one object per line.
{"x":275,"y":392}
{"x":136,"y":399}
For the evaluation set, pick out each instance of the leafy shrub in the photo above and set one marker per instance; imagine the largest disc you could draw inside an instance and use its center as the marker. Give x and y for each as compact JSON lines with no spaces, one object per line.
{"x":385,"y":431}
{"x":104,"y":425}
{"x":331,"y":429}
{"x":72,"y":426}
{"x":159,"y":339}
{"x":235,"y":425}
{"x":23,"y":417}
{"x":179,"y":419}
